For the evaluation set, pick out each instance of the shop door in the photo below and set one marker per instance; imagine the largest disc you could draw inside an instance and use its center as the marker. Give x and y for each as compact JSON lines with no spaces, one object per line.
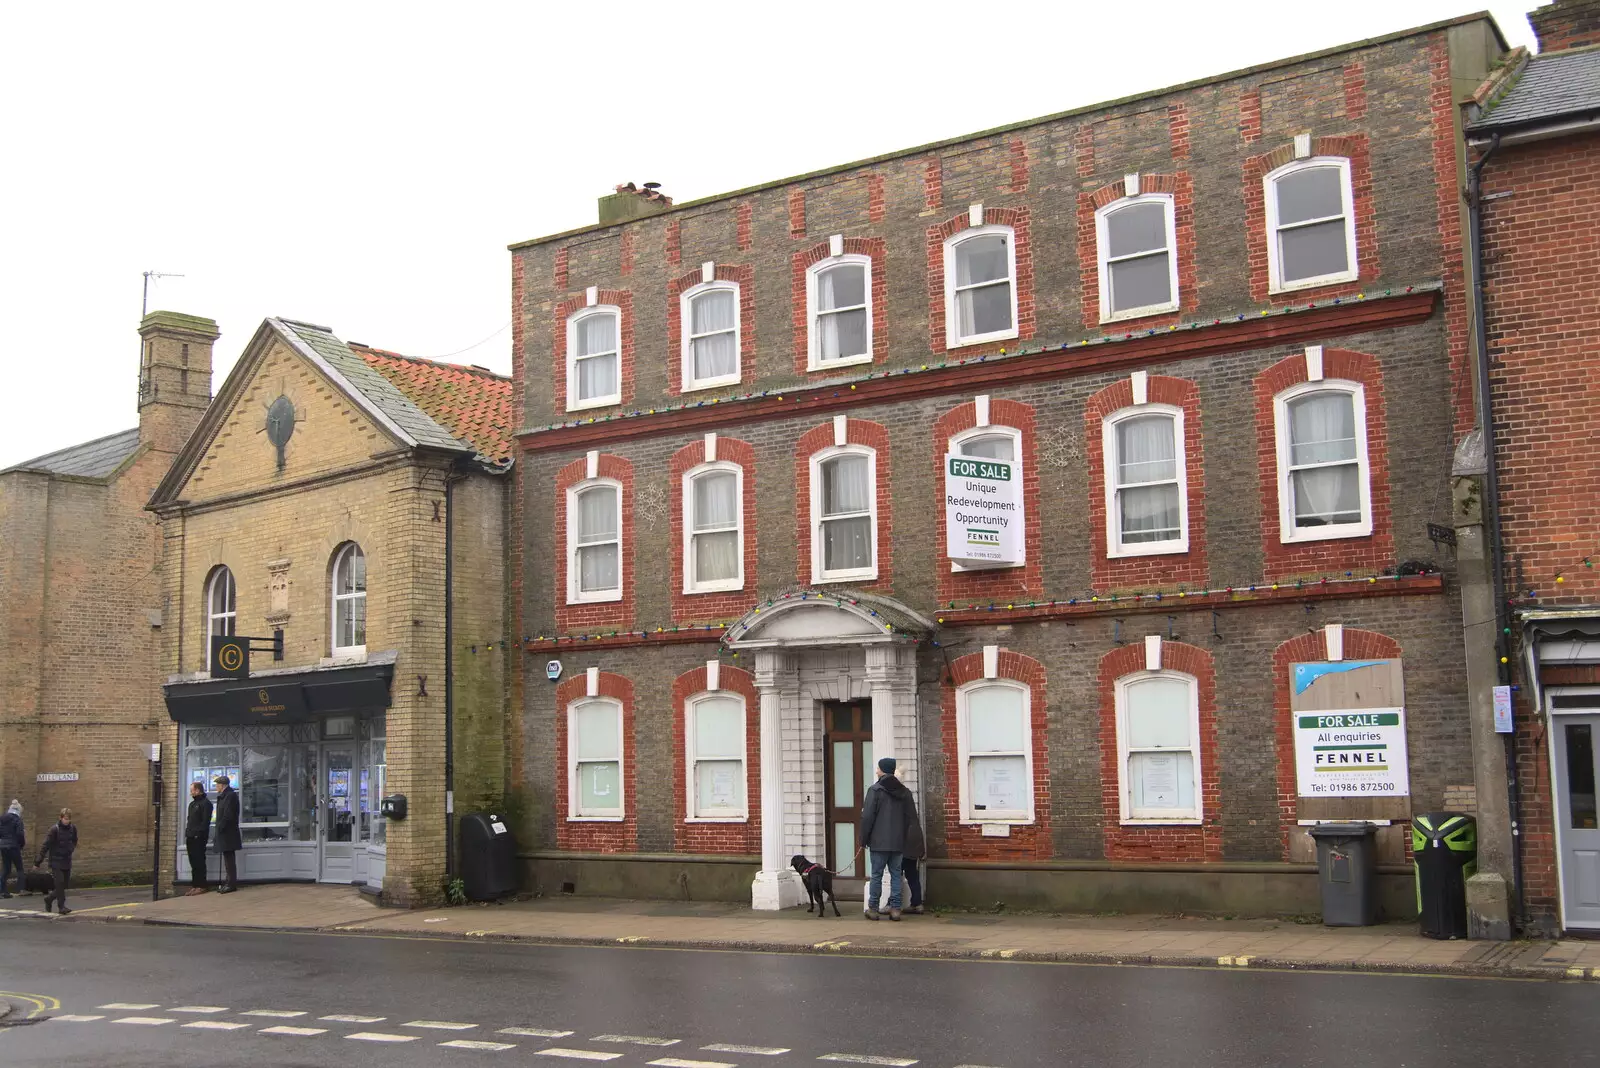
{"x":847,"y":763}
{"x":337,"y":825}
{"x":1577,"y":744}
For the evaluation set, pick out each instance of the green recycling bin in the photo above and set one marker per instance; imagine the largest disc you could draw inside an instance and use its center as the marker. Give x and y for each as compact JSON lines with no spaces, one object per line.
{"x":1444,"y":852}
{"x":1347,"y":869}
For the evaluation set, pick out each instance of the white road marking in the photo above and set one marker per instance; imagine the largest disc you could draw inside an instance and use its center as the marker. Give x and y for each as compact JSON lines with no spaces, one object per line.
{"x":302,"y":1032}
{"x":197,"y":1008}
{"x":678,"y":1062}
{"x":341,"y":1018}
{"x":636,"y":1040}
{"x":276,"y":1014}
{"x":215,"y":1025}
{"x":77,"y":1019}
{"x":379,"y":1036}
{"x":578,"y":1054}
{"x":757,"y":1051}
{"x":532,"y":1032}
{"x":865,"y":1058}
{"x":127,"y":1006}
{"x":146,"y":1021}
{"x":439,"y":1025}
{"x":464,"y":1043}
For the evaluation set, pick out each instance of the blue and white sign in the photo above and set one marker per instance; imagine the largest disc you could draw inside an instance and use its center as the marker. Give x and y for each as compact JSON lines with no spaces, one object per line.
{"x":552,"y":670}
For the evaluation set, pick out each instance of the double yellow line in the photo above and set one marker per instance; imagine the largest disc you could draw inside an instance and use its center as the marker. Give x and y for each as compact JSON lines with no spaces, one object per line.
{"x":41,"y":1002}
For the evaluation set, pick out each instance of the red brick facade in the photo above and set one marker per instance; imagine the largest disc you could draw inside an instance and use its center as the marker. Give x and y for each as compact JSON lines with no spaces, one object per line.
{"x":617,"y":613}
{"x":595,"y":836}
{"x":743,"y":836}
{"x":1027,"y":841}
{"x":718,"y":606}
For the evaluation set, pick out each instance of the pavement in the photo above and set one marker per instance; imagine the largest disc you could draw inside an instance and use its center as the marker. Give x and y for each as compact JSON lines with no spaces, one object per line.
{"x":579,"y":921}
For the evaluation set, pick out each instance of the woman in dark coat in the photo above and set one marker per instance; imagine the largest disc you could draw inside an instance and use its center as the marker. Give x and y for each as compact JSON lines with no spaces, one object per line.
{"x":59,"y":846}
{"x":13,"y":839}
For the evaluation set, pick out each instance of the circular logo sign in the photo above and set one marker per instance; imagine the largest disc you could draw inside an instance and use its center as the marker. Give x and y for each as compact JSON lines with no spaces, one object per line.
{"x":231,"y":657}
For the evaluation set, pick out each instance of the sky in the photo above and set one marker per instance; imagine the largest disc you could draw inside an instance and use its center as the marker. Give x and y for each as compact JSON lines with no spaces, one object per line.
{"x":364,"y":166}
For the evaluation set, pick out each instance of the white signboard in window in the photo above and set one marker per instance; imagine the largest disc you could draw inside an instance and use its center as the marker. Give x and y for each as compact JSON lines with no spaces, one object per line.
{"x":983,"y":511}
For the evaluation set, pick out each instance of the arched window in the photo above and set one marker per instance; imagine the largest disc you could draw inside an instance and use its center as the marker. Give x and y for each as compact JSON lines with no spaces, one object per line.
{"x":710,"y":335}
{"x":980,"y":272}
{"x":1147,"y":506}
{"x":994,"y":735}
{"x":715,"y":743}
{"x":992,"y":443}
{"x":1158,"y":747}
{"x":839,"y":307}
{"x":1324,"y":484}
{"x":1311,"y":224}
{"x":713,"y":528}
{"x":844,"y":514}
{"x":222,"y":609}
{"x":594,"y":755}
{"x":349,"y":600}
{"x":1138,"y":256}
{"x":594,"y":541}
{"x":594,"y":357}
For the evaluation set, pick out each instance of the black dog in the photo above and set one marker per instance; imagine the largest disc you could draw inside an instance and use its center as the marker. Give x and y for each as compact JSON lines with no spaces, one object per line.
{"x":819,"y":882}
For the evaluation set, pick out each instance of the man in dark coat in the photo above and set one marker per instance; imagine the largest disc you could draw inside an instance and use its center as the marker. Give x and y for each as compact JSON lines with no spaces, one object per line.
{"x":228,"y":840}
{"x":59,"y":846}
{"x":886,"y":815}
{"x":13,"y":839}
{"x":196,"y":829}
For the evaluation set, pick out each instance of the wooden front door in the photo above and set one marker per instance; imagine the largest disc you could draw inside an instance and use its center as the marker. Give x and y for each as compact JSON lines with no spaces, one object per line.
{"x":847,"y":762}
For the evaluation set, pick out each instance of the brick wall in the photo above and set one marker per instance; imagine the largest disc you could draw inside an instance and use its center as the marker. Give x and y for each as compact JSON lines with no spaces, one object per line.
{"x":741,"y":837}
{"x":966,"y":841}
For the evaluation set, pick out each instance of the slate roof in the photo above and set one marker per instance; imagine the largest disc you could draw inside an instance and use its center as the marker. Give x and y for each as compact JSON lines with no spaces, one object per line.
{"x":473,"y":403}
{"x":1552,"y":86}
{"x":93,"y":459}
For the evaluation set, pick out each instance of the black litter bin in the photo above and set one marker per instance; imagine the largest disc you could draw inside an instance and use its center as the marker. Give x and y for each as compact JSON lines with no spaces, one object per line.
{"x":488,"y":857}
{"x":1347,"y":869}
{"x":1444,"y":851}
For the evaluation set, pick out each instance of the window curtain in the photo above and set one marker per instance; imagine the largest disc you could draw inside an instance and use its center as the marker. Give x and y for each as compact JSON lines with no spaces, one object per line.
{"x":716,"y":517}
{"x":1314,"y":249}
{"x":1147,"y":453}
{"x":712,"y":313}
{"x":990,"y":446}
{"x":842,"y":333}
{"x":846,"y":489}
{"x":597,"y":373}
{"x":987,"y":308}
{"x":1322,"y":430}
{"x":598,"y":555}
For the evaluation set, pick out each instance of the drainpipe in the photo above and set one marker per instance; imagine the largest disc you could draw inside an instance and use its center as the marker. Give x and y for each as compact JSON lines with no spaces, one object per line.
{"x":1502,"y":643}
{"x":449,"y":674}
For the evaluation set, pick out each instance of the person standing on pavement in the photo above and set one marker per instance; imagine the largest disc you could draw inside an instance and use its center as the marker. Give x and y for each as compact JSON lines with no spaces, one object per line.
{"x":228,"y":840}
{"x":59,"y":846}
{"x":885,"y":815}
{"x":13,"y":839}
{"x":196,"y":829}
{"x":916,"y":849}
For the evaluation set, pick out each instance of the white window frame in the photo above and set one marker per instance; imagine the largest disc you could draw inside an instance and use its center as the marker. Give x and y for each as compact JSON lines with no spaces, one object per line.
{"x":861,"y":574}
{"x":1270,"y":193}
{"x":691,"y":758}
{"x":685,"y":301}
{"x":574,"y":594}
{"x":574,"y":402}
{"x":1169,"y":817}
{"x":964,"y":753}
{"x":1102,"y":229}
{"x":339,"y":557}
{"x":1016,"y":450}
{"x":575,"y":814}
{"x":952,"y":329}
{"x":1288,"y":532}
{"x":815,"y":362}
{"x":1115,"y":549}
{"x":229,"y":616}
{"x":691,"y":581}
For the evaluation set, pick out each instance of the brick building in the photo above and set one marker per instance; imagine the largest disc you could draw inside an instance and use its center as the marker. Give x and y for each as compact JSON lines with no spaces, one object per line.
{"x":1537,"y":143}
{"x":1077,"y":464}
{"x":82,"y":611}
{"x":352,"y":500}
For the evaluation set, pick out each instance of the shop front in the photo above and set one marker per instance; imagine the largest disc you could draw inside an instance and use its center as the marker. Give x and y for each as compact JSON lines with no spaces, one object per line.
{"x":306,"y":752}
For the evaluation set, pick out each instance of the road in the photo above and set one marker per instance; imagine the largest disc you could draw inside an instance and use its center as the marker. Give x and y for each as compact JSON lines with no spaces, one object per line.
{"x":135,"y":996}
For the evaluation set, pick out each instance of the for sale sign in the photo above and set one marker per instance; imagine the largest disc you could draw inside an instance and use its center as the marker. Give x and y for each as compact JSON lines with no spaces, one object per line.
{"x":983,"y":511}
{"x":1349,"y":729}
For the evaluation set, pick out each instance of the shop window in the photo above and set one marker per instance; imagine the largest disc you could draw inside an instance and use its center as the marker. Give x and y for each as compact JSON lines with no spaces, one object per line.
{"x":980,"y":273}
{"x":715,"y":738}
{"x":1138,"y":257}
{"x":349,"y":600}
{"x":1311,"y":224}
{"x":1158,"y":748}
{"x":1324,"y":483}
{"x":839,"y":310}
{"x":713,"y":526}
{"x":1147,"y":500}
{"x":594,"y":747}
{"x":222,"y":607}
{"x":844,"y":511}
{"x":594,"y":357}
{"x":994,"y":727}
{"x":711,"y":335}
{"x":594,"y":542}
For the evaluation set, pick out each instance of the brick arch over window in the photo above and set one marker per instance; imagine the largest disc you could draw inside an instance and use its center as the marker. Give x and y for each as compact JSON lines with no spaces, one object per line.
{"x":1131,"y":572}
{"x":804,"y":260}
{"x":600,"y":613}
{"x":1157,"y":842}
{"x":726,"y":605}
{"x":1308,"y":648}
{"x":742,"y":838}
{"x":622,"y":299}
{"x":991,"y":583}
{"x":857,"y":432}
{"x":1027,"y":841}
{"x":724,"y":272}
{"x":1181,"y":188}
{"x":620,"y":836}
{"x":1021,"y":222}
{"x":1371,"y":552}
{"x":1352,"y":147}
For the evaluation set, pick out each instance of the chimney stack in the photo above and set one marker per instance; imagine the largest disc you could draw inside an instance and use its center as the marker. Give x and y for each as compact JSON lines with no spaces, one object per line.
{"x":174,"y":377}
{"x":632,"y":202}
{"x":1566,"y":24}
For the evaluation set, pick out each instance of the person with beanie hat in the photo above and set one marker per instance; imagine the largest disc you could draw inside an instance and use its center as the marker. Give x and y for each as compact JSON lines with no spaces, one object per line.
{"x":13,"y":838}
{"x":885,"y":816}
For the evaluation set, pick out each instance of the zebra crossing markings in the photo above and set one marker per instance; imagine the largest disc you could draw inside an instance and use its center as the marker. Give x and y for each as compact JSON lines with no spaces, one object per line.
{"x":206,"y":1009}
{"x":347,"y":1018}
{"x":379,"y":1036}
{"x":146,"y":1021}
{"x":298,"y":1032}
{"x":578,"y":1054}
{"x":467,"y":1043}
{"x":439,"y":1025}
{"x":678,"y":1062}
{"x":128,"y":1006}
{"x":867,"y":1058}
{"x":215,"y":1025}
{"x":77,"y":1018}
{"x":753,"y":1051}
{"x":532,"y":1032}
{"x":276,"y":1014}
{"x":636,"y":1040}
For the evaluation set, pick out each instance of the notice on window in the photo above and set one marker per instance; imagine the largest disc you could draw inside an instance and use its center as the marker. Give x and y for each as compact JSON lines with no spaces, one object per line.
{"x":722,"y":787}
{"x":998,"y":785}
{"x":1349,"y":723}
{"x":1158,"y":774}
{"x":983,"y":511}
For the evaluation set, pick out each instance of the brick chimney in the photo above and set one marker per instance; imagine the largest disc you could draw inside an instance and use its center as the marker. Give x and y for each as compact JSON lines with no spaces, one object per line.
{"x":174,"y":377}
{"x":632,"y":202}
{"x":1566,"y":24}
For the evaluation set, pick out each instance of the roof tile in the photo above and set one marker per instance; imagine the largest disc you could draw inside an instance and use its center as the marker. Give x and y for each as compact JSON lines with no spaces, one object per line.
{"x":1550,"y":87}
{"x":472,"y":403}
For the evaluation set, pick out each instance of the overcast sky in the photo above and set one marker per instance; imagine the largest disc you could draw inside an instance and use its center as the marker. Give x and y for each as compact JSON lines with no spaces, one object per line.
{"x":365,"y":165}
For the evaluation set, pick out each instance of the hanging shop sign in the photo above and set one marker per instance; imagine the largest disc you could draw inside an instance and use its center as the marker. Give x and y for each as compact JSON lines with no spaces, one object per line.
{"x":983,"y":511}
{"x":1349,"y":729}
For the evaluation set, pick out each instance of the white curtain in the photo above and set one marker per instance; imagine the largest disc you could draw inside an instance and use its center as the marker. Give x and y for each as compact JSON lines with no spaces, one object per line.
{"x":987,"y":308}
{"x":846,"y":489}
{"x":842,"y":333}
{"x":598,"y":555}
{"x":716,"y":517}
{"x":596,"y":355}
{"x":1322,"y":430}
{"x":1146,"y":454}
{"x":712,"y":314}
{"x":597,"y":334}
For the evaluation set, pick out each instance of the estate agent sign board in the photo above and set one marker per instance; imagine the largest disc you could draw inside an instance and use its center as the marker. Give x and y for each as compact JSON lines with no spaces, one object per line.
{"x":1349,"y":729}
{"x":983,"y":511}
